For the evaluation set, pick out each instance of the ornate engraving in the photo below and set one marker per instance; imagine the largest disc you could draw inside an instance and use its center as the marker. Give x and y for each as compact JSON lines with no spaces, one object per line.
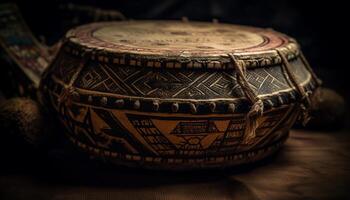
{"x":164,"y":114}
{"x":133,"y":81}
{"x":134,"y":135}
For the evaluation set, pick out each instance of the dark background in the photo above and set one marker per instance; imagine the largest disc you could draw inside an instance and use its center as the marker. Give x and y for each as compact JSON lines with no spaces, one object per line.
{"x":321,"y":27}
{"x":314,"y":164}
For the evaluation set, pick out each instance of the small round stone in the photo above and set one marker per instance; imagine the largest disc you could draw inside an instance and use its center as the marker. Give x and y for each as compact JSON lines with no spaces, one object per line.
{"x":155,"y":105}
{"x":137,"y":104}
{"x":212,"y":106}
{"x":193,"y":108}
{"x":75,"y":96}
{"x":280,"y":100}
{"x":104,"y":100}
{"x":231,"y":108}
{"x":175,"y":107}
{"x":119,"y":103}
{"x":90,"y":99}
{"x":271,"y":104}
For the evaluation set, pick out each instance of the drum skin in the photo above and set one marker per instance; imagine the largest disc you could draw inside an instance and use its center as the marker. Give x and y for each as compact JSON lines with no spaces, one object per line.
{"x":166,"y":95}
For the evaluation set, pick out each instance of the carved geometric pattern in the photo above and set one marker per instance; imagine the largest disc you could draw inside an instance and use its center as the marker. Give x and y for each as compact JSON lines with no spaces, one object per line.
{"x":82,"y":127}
{"x":81,"y":124}
{"x":185,"y":136}
{"x":193,"y":133}
{"x":121,"y":137}
{"x":231,"y":138}
{"x":158,"y":137}
{"x":65,"y":67}
{"x":175,"y":83}
{"x":195,"y":137}
{"x":152,"y":135}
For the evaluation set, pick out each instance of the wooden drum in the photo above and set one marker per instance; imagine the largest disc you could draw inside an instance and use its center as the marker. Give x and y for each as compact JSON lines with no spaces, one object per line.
{"x":178,"y":95}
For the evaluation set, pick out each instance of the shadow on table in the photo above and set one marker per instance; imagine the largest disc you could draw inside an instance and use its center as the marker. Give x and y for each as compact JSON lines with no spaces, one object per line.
{"x":67,"y":174}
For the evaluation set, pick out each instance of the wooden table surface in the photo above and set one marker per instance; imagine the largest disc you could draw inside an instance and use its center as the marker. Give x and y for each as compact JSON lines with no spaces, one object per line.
{"x":311,"y":165}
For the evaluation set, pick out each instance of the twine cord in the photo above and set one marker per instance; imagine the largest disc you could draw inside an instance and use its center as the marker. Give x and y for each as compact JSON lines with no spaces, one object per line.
{"x":257,"y":109}
{"x":69,"y":90}
{"x":305,"y":101}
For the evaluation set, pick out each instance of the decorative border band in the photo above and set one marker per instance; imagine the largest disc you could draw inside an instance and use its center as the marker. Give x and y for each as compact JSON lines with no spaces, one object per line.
{"x":225,"y":105}
{"x":251,"y":60}
{"x":184,"y":163}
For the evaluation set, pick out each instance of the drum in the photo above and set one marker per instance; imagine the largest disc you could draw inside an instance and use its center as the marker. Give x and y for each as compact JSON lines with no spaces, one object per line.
{"x":178,"y":95}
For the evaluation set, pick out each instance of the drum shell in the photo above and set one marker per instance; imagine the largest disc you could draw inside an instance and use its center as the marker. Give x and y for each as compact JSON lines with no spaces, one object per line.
{"x":134,"y":127}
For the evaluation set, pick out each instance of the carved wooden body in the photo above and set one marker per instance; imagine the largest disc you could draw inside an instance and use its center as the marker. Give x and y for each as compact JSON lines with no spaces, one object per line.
{"x":168,"y":94}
